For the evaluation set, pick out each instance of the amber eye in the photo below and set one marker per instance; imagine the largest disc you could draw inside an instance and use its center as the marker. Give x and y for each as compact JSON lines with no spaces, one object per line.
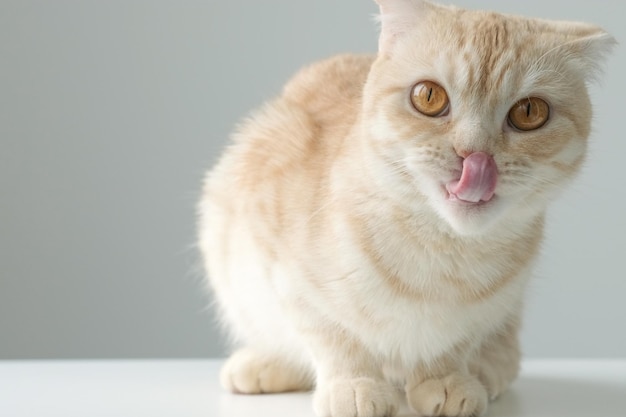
{"x":429,"y":98}
{"x":529,"y":114}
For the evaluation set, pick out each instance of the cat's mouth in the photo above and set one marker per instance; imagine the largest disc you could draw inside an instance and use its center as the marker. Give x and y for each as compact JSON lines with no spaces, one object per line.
{"x":481,"y":203}
{"x":478,"y":180}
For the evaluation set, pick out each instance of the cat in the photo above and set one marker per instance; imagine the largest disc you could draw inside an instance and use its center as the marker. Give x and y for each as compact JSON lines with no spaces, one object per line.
{"x":369,"y":233}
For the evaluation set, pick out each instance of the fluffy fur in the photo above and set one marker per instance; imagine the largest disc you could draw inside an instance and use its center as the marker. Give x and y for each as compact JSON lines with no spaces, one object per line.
{"x":337,"y":257}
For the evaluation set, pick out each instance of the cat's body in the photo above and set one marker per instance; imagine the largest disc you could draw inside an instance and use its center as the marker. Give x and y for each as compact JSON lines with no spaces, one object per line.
{"x":357,"y":244}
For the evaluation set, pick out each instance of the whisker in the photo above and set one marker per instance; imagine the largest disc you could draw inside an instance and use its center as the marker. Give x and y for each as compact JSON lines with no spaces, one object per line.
{"x":538,"y":180}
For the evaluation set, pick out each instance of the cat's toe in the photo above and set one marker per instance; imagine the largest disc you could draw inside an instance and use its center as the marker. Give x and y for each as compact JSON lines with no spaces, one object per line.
{"x":453,"y":396}
{"x":247,"y":372}
{"x":358,"y":397}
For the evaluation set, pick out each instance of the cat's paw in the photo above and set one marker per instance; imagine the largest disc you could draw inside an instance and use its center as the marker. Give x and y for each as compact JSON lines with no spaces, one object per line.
{"x":453,"y":396}
{"x":247,"y":372}
{"x":358,"y":397}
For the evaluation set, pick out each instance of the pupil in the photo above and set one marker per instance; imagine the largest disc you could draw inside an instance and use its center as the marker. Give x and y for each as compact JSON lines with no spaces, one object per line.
{"x":430,"y":93}
{"x":528,"y":110}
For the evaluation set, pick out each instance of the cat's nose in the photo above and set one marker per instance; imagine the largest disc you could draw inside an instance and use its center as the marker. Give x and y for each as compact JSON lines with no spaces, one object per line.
{"x":465,"y":151}
{"x":462,"y":151}
{"x":471,"y":137}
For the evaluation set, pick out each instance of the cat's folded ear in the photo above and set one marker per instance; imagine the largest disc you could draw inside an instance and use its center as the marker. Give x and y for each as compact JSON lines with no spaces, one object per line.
{"x":397,"y":17}
{"x":590,"y":47}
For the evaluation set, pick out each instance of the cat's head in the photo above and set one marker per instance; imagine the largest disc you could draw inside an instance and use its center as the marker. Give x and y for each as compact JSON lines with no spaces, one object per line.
{"x":485,"y":115}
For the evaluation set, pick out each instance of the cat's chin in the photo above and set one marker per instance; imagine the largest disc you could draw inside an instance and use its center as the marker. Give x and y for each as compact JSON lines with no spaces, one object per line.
{"x":469,"y":218}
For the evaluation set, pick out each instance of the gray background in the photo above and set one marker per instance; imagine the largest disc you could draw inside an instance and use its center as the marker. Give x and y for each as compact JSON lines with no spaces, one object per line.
{"x":110,"y":111}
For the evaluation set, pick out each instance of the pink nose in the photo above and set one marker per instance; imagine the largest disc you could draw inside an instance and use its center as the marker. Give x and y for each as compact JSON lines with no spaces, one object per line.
{"x":463,"y":153}
{"x":478,"y":179}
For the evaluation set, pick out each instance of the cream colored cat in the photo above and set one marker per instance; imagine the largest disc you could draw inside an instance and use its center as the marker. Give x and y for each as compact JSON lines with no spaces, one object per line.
{"x":371,"y":231}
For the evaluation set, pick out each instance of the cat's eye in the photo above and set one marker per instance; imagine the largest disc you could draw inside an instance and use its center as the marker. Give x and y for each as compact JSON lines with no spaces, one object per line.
{"x":430,"y":99}
{"x":529,"y":114}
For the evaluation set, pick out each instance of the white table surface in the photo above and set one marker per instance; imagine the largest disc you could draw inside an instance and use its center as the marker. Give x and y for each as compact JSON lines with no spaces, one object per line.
{"x":182,"y":388}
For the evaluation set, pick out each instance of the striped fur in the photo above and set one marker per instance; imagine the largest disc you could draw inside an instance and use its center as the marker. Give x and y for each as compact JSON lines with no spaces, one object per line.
{"x":337,"y":260}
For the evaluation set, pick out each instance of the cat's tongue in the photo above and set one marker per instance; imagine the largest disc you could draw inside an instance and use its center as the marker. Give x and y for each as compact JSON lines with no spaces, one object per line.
{"x":478,"y":179}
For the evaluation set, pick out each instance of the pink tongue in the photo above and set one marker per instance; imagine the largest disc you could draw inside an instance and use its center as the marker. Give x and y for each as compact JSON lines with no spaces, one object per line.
{"x":478,"y":179}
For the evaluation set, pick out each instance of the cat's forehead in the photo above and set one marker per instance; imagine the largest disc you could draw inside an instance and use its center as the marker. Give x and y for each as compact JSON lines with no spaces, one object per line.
{"x":489,"y":50}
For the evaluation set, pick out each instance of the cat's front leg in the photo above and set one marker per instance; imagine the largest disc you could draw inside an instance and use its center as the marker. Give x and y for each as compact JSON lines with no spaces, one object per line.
{"x":350,"y":382}
{"x":446,"y":388}
{"x":497,"y":363}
